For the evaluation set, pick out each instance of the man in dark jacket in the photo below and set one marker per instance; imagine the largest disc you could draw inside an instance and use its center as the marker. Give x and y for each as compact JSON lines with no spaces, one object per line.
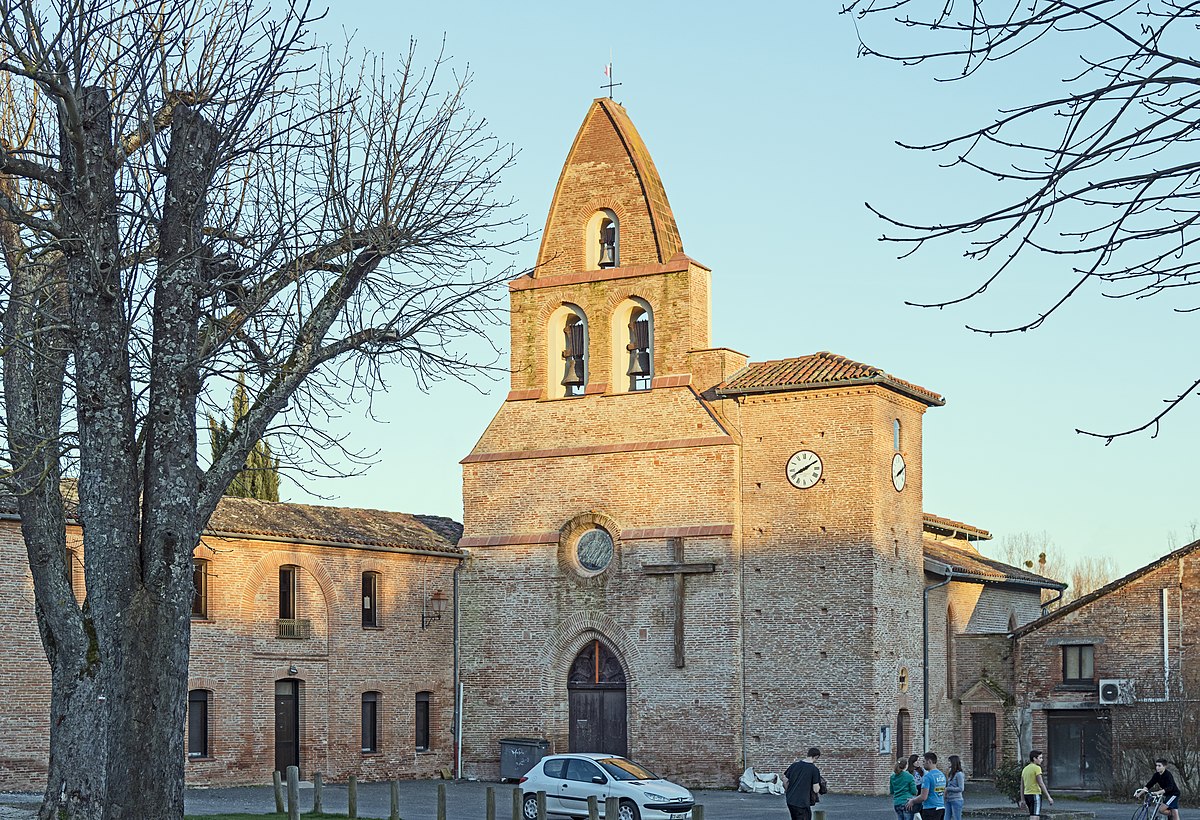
{"x":802,"y":784}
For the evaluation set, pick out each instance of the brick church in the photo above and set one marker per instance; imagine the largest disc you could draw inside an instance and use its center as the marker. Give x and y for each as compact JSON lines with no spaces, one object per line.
{"x":667,"y":550}
{"x":676,"y":552}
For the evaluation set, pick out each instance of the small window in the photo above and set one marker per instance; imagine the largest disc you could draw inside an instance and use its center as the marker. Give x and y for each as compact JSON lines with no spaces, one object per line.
{"x":370,"y":599}
{"x":896,"y":435}
{"x":370,"y":722}
{"x":197,"y":723}
{"x":903,"y":679}
{"x":556,"y":768}
{"x":287,"y":593}
{"x":72,"y":562}
{"x":1078,"y":663}
{"x":422,"y":734}
{"x":199,"y":588}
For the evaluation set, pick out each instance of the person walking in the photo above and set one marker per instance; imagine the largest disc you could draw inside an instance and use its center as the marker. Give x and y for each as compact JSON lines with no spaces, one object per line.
{"x":914,"y":768}
{"x":956,"y":782}
{"x":1033,"y":785}
{"x":802,"y":785}
{"x":904,"y":788}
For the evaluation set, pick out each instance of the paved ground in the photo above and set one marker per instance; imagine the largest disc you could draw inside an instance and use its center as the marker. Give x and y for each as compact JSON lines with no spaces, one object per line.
{"x":466,"y":801}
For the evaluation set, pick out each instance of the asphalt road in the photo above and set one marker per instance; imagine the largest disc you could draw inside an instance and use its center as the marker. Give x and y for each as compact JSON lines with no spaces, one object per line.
{"x":466,"y":801}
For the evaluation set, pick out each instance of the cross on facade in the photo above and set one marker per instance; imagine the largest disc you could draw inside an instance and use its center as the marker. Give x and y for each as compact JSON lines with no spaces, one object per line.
{"x":680,"y":569}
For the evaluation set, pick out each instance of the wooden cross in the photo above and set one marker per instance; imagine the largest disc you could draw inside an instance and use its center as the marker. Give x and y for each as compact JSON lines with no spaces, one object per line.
{"x":680,"y":569}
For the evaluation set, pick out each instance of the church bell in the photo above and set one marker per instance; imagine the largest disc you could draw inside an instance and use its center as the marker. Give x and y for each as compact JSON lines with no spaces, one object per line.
{"x":574,"y":372}
{"x":639,"y":363}
{"x":608,"y":246}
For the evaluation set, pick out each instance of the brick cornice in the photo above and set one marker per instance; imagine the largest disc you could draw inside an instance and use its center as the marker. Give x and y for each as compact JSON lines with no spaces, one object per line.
{"x":676,"y":264}
{"x":598,"y":449}
{"x":626,"y":534}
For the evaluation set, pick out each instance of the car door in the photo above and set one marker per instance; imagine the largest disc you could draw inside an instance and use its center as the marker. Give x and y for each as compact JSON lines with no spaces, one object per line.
{"x":579,"y":784}
{"x":555,"y":771}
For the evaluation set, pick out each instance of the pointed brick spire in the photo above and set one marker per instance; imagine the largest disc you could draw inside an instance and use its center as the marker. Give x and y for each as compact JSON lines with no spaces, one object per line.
{"x":608,"y":167}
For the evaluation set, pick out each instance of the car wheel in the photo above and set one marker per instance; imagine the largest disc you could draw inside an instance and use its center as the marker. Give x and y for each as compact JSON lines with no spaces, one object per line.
{"x":529,"y":807}
{"x":628,"y":811}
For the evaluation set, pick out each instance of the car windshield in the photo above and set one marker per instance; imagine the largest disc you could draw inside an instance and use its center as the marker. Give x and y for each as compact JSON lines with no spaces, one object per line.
{"x":622,"y":769}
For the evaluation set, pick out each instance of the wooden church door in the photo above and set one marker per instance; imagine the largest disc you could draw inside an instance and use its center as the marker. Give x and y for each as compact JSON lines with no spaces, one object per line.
{"x":596,"y":702}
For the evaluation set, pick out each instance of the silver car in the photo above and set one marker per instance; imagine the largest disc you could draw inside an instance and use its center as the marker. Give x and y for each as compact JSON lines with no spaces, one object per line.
{"x":568,"y":781}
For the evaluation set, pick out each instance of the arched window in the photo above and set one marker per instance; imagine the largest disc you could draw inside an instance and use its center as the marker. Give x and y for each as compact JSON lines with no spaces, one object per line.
{"x":287,"y":592}
{"x":633,"y":345}
{"x":896,"y":435}
{"x":603,"y":240}
{"x":200,"y":588}
{"x":567,"y":352}
{"x":370,"y":722}
{"x":197,"y":722}
{"x":370,"y":599}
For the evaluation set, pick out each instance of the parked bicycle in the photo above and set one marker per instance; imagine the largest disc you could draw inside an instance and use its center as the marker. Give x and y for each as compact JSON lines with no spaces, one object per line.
{"x":1150,"y":805}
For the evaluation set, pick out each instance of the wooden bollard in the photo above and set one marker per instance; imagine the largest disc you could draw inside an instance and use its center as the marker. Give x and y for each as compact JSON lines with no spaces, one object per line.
{"x":541,"y":806}
{"x":352,"y":797}
{"x":490,"y":806}
{"x":516,"y":804}
{"x":395,"y":809}
{"x":317,"y":807}
{"x":697,"y":812}
{"x":293,"y":786}
{"x":818,"y":814}
{"x":277,"y":779}
{"x":593,"y":807}
{"x":612,"y":808}
{"x":441,"y":815}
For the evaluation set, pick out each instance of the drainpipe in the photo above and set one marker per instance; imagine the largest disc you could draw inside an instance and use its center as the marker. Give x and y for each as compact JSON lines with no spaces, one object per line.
{"x":1046,"y":606}
{"x":457,"y":685}
{"x":949,"y":572}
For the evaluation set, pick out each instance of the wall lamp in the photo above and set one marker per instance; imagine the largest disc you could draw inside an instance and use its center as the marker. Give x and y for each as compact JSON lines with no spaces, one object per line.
{"x":432,"y":609}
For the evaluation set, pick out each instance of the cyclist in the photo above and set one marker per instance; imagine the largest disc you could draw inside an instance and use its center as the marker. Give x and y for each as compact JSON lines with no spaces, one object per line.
{"x":1165,"y":782}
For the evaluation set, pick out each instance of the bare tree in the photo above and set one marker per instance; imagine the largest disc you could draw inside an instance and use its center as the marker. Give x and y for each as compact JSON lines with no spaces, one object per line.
{"x":1100,"y":176}
{"x":1088,"y":574}
{"x":189,"y":191}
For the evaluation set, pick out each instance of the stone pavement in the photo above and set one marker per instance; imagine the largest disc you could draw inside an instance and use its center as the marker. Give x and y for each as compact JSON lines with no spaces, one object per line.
{"x":465,"y":800}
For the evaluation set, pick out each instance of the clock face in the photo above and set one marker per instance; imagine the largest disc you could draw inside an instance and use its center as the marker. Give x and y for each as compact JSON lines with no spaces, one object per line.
{"x":898,"y":472}
{"x":804,"y":469}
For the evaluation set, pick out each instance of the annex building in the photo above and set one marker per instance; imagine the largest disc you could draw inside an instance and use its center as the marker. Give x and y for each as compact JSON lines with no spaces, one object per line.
{"x":705,"y":561}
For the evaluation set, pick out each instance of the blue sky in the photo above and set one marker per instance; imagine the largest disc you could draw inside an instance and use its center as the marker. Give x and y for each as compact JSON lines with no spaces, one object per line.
{"x":770,"y":134}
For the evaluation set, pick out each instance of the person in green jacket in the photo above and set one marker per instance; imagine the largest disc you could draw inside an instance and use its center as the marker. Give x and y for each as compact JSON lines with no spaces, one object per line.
{"x":904,"y":788}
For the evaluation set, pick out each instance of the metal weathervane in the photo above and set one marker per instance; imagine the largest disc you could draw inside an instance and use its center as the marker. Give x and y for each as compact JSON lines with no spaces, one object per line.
{"x":608,"y":72}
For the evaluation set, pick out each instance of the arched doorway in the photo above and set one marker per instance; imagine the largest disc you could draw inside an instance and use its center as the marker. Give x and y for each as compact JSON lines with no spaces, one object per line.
{"x":902,"y":722}
{"x":596,"y":701}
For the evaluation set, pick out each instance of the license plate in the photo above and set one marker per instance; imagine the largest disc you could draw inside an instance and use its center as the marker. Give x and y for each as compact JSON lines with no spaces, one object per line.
{"x":682,"y":816}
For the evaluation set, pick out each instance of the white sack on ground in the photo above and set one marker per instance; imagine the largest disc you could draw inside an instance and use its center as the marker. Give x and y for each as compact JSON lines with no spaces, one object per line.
{"x":755,"y":783}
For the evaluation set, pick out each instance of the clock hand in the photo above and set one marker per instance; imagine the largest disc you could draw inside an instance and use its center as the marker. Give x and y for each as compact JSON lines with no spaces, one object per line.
{"x":900,"y":472}
{"x":802,"y":469}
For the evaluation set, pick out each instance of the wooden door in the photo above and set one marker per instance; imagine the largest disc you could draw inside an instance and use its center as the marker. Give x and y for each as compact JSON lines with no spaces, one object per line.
{"x":983,"y":744}
{"x":900,"y":745}
{"x":287,"y":725}
{"x":596,"y":702}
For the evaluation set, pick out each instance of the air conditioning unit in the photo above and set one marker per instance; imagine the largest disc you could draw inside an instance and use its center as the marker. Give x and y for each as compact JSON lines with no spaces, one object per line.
{"x":1116,"y":691}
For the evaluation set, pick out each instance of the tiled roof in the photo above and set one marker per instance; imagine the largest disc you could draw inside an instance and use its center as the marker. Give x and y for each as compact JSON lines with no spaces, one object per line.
{"x":937,"y":523}
{"x":977,"y":567}
{"x":337,"y":525}
{"x":822,"y":369}
{"x":1084,"y":600}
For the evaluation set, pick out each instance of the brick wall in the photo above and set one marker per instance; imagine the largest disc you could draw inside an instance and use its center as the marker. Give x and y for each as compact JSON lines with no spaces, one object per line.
{"x":237,"y":656}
